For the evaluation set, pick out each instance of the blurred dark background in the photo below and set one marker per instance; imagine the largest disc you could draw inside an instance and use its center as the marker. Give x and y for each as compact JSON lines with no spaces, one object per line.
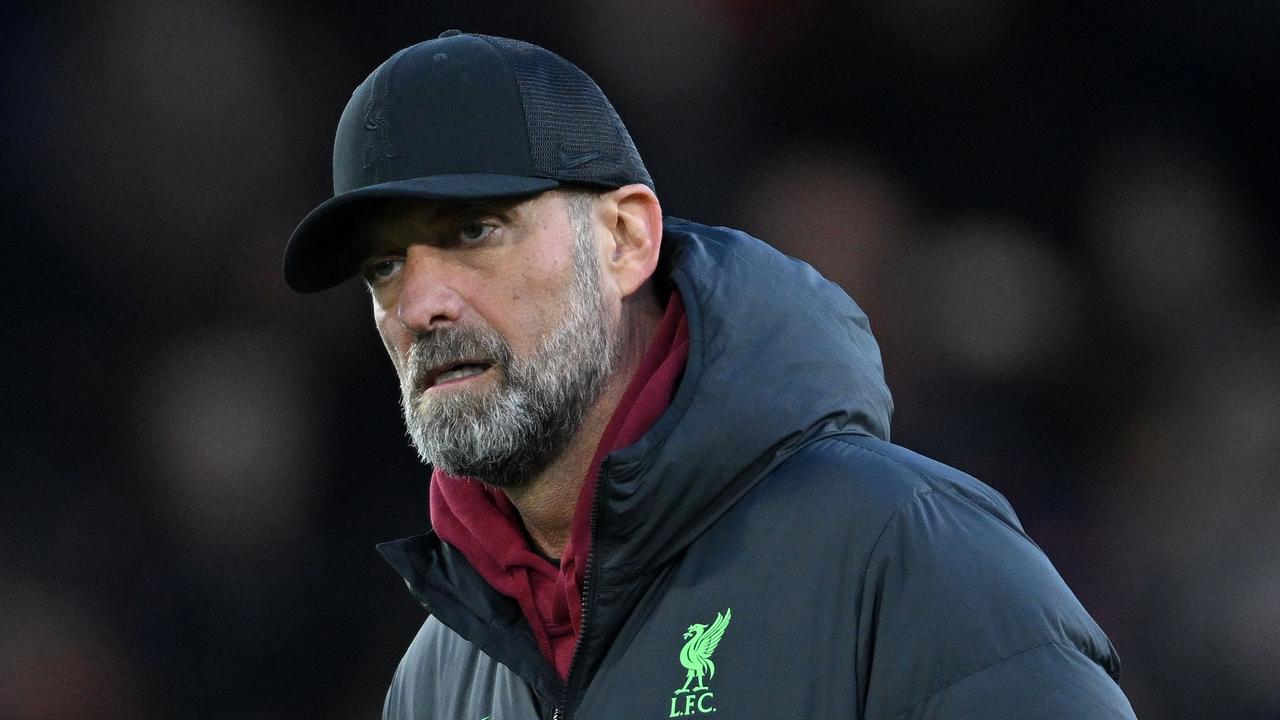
{"x":1060,"y":217}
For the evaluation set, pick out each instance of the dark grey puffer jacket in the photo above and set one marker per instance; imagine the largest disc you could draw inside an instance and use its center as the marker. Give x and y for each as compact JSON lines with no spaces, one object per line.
{"x":765,"y":552}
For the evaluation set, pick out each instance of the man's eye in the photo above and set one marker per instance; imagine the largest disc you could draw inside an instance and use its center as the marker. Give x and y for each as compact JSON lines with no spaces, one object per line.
{"x":381,"y":270}
{"x":473,"y":231}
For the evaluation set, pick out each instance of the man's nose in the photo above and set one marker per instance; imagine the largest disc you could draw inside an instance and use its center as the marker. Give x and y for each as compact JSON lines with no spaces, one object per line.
{"x":429,"y":298}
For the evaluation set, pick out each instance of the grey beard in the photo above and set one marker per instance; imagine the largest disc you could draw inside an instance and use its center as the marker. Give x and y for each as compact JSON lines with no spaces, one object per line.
{"x":506,"y":435}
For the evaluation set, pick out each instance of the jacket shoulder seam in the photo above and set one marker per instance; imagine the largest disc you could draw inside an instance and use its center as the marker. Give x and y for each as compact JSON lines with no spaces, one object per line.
{"x":975,"y":671}
{"x":925,"y":488}
{"x":845,"y":439}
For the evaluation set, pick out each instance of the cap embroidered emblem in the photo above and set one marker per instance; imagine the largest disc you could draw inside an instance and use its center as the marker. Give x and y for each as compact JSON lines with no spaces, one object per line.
{"x":375,"y":119}
{"x":568,"y":161}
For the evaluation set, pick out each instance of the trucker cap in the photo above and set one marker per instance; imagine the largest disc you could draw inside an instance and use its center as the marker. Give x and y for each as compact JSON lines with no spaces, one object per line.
{"x":460,"y":117}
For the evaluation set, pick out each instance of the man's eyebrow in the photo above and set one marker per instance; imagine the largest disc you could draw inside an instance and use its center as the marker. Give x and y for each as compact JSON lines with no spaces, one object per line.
{"x":453,"y":208}
{"x":467,"y":207}
{"x":432,"y":210}
{"x":375,"y":236}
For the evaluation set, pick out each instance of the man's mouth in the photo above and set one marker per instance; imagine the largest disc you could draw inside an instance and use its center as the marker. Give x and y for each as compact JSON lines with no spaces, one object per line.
{"x":456,"y":372}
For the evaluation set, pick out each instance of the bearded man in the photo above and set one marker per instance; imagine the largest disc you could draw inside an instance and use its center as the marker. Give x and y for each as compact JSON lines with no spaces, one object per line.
{"x":662,"y":485}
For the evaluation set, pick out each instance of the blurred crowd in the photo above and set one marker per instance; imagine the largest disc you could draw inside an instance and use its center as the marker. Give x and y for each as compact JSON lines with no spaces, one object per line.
{"x":1060,"y":217}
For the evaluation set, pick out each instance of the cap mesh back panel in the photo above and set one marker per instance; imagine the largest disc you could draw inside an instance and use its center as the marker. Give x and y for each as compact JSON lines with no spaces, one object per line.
{"x":570,"y":120}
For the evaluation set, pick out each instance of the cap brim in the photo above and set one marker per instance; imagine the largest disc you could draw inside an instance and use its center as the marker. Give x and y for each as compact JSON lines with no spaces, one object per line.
{"x":327,"y":248}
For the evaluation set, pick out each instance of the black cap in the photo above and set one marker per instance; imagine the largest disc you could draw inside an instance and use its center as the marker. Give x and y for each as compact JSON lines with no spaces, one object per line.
{"x":456,"y":118}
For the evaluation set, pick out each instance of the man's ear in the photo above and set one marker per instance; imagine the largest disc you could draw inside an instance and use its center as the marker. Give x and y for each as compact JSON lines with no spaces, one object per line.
{"x":633,"y":217}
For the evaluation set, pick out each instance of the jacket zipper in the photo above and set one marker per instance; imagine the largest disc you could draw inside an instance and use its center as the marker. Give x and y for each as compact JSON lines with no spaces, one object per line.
{"x":588,"y":589}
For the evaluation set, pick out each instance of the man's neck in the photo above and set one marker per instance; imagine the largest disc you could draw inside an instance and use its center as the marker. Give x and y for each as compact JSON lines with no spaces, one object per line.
{"x":547,"y":502}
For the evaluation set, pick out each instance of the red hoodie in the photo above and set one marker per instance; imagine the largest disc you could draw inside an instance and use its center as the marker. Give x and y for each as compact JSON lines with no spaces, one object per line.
{"x":486,"y":528}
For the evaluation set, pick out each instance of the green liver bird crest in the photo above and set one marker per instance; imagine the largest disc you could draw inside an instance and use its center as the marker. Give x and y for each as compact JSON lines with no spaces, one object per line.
{"x":695,"y":656}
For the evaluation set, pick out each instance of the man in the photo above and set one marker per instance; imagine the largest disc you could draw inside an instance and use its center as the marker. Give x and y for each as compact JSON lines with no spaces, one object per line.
{"x":662,"y":486}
